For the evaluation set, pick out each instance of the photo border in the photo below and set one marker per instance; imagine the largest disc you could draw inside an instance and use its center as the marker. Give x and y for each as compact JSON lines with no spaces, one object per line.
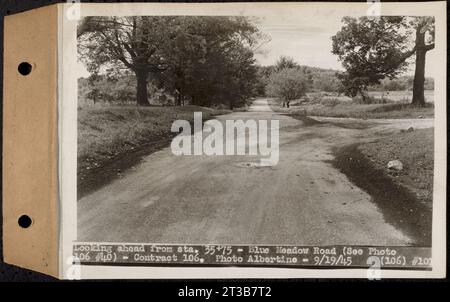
{"x":67,"y":100}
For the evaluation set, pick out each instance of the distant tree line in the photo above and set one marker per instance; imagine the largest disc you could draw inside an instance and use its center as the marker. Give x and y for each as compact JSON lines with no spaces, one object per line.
{"x":288,"y":80}
{"x":204,"y":60}
{"x":122,"y":89}
{"x":401,"y":83}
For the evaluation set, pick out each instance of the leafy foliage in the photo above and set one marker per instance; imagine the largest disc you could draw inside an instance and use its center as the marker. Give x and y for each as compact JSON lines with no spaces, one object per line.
{"x":375,"y":48}
{"x":201,"y":60}
{"x":285,"y":62}
{"x":288,"y":84}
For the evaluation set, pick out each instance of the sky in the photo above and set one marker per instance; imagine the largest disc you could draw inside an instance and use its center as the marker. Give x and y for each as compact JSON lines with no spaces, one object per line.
{"x":304,"y":39}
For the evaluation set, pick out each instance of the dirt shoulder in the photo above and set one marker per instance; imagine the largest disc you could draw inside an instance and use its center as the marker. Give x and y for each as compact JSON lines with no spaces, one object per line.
{"x":405,"y":197}
{"x":114,"y":139}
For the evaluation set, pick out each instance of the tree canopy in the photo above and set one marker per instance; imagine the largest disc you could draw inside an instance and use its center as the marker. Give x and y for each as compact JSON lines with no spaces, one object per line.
{"x":206,"y":59}
{"x":374,"y":48}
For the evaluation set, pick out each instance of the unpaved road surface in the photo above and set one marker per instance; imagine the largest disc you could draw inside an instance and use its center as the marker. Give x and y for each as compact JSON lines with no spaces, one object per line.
{"x":303,"y":200}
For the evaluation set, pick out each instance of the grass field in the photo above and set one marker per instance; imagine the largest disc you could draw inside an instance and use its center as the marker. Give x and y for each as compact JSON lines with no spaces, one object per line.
{"x":326,"y":104}
{"x":378,"y":96}
{"x":401,"y":96}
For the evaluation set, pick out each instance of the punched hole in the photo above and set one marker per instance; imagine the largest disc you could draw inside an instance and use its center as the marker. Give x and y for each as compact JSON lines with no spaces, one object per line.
{"x":24,"y":221}
{"x":24,"y":68}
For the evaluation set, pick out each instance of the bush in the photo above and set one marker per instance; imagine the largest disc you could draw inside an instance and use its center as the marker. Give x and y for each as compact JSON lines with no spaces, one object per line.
{"x":331,"y":102}
{"x":371,"y":100}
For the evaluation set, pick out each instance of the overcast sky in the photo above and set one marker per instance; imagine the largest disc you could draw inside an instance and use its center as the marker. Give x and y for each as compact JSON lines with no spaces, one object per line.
{"x":305,"y":39}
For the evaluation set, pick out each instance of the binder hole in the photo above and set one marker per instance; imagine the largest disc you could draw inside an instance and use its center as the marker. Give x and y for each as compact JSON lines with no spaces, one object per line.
{"x":25,"y":221}
{"x":24,"y":68}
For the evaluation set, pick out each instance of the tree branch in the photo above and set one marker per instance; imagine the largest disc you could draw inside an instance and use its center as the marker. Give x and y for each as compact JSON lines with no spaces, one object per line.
{"x":117,"y":49}
{"x":428,"y":47}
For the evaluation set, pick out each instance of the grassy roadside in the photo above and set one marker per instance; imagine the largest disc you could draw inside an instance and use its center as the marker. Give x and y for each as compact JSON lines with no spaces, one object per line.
{"x":107,"y":134}
{"x":404,"y":197}
{"x":415,"y":150}
{"x":332,"y":108}
{"x":107,"y":131}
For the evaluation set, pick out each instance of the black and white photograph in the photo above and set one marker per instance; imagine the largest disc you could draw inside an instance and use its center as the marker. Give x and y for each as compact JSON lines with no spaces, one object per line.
{"x":299,"y":137}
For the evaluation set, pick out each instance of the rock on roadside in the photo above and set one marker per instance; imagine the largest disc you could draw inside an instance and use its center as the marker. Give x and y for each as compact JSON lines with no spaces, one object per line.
{"x":395,"y":165}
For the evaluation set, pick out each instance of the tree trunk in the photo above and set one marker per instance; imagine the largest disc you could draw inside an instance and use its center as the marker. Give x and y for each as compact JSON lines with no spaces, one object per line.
{"x":141,"y":90}
{"x":363,"y":96}
{"x":178,"y":98}
{"x":419,"y":79}
{"x":287,"y":104}
{"x":419,"y":74}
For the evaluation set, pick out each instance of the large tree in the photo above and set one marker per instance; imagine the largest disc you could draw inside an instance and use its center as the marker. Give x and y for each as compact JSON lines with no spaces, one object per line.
{"x":134,"y":43}
{"x":211,"y":60}
{"x":207,"y":59}
{"x":288,"y":84}
{"x":374,"y":48}
{"x":285,"y":62}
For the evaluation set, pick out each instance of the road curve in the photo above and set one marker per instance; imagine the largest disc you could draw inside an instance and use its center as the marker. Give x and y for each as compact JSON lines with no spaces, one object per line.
{"x":303,"y":200}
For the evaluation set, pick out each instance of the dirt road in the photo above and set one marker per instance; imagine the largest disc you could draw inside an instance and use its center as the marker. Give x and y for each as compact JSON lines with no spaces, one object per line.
{"x":303,"y":200}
